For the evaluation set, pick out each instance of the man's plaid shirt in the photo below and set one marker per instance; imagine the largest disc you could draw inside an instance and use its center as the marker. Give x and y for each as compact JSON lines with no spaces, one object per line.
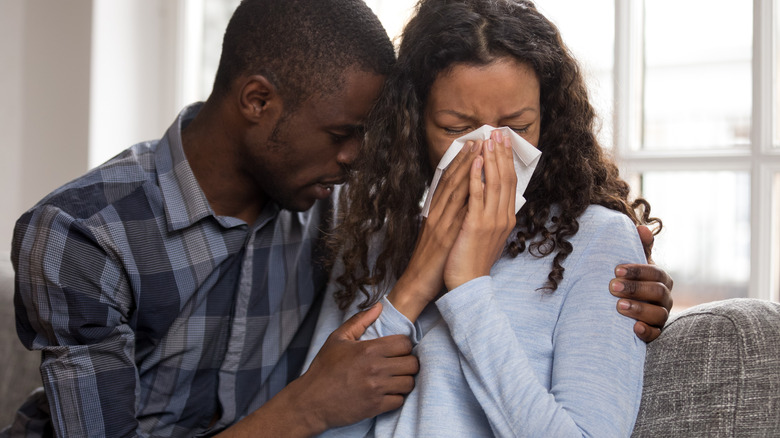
{"x":155,"y":316}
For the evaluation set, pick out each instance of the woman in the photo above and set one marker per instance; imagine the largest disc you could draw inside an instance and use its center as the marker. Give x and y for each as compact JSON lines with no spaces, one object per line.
{"x":515,"y":333}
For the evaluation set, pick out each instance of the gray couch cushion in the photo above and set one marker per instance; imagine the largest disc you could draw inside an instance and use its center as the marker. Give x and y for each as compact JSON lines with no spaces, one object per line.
{"x":714,"y":371}
{"x":19,"y":373}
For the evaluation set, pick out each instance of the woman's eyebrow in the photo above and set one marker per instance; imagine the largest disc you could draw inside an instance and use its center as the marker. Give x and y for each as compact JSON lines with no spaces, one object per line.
{"x":468,"y":117}
{"x":456,"y":114}
{"x":519,"y":113}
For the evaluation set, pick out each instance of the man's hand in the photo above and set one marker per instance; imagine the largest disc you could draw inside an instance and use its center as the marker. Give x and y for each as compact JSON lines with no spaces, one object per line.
{"x":348,"y":381}
{"x":351,"y":380}
{"x":647,"y":238}
{"x":645,"y":292}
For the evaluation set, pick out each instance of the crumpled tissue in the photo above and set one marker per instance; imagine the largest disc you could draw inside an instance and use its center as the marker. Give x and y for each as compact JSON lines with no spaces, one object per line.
{"x":525,"y":155}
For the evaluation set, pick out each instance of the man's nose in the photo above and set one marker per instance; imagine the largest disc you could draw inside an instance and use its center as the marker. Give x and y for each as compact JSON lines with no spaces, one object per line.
{"x":349,"y":151}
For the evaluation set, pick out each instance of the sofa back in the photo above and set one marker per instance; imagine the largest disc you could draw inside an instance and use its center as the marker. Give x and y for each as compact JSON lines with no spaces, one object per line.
{"x":19,"y":368}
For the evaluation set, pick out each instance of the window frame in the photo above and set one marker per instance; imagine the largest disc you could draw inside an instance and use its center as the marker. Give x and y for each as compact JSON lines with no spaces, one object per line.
{"x":761,"y":160}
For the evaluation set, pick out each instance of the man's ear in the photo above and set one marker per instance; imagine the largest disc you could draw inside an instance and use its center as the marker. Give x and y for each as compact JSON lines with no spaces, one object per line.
{"x":258,"y":98}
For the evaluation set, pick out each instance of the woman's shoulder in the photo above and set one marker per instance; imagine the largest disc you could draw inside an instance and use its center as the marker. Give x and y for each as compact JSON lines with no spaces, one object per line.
{"x":593,"y":215}
{"x":597,"y":213}
{"x":605,"y":230}
{"x":605,"y":238}
{"x":597,"y":219}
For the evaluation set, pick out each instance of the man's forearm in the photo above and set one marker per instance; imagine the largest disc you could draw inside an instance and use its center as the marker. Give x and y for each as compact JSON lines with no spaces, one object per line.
{"x":286,"y":415}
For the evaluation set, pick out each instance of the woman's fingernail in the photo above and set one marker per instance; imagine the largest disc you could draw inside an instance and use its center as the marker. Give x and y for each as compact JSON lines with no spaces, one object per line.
{"x":617,"y":286}
{"x":490,"y":145}
{"x":620,"y":272}
{"x":624,"y":305}
{"x":471,"y":145}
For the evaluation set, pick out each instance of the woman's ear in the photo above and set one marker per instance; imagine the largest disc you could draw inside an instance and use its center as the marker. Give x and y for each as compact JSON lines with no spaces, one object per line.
{"x":258,"y":98}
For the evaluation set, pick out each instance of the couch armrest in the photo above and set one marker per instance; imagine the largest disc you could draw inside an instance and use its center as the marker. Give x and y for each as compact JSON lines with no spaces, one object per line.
{"x":714,"y":371}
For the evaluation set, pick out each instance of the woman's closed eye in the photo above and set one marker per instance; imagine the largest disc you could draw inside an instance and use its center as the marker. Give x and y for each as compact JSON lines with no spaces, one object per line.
{"x":458,"y":130}
{"x":520,"y":130}
{"x":466,"y":130}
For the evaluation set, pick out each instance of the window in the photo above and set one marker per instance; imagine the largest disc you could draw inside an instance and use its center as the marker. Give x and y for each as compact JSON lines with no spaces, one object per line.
{"x":705,"y":243}
{"x":697,"y":138}
{"x":688,"y":98}
{"x":692,"y":112}
{"x":697,"y":78}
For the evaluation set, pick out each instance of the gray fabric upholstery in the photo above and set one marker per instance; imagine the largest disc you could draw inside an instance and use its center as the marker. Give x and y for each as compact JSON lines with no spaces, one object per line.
{"x":19,"y":374}
{"x":714,"y":372}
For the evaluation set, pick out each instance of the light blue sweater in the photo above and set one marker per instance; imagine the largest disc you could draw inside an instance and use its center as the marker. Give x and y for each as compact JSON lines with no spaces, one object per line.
{"x":498,"y":357}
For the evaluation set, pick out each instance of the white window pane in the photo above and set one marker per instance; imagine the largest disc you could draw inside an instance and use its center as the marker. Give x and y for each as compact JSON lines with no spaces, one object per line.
{"x":588,"y":29}
{"x":697,"y":91}
{"x":705,"y":242}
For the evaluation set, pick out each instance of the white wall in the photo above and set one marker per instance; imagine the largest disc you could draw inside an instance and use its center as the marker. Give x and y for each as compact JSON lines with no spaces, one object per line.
{"x":44,"y":93}
{"x":11,"y":27}
{"x":80,"y":80}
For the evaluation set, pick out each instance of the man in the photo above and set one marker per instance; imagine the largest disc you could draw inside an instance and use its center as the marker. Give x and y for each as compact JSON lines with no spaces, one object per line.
{"x":173,"y":290}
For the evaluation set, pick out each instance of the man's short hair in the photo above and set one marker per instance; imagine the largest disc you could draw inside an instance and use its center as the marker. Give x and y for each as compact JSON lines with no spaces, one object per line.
{"x":302,"y":46}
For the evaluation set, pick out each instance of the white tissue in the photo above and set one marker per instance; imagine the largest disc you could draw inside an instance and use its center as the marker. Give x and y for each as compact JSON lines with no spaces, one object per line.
{"x":526,"y":157}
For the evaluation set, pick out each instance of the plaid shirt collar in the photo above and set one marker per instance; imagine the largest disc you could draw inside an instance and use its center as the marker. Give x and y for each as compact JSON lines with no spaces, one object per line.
{"x":185,"y":202}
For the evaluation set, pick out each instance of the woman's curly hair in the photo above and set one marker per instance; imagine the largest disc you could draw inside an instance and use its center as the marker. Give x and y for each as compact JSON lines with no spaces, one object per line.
{"x":392,"y":172}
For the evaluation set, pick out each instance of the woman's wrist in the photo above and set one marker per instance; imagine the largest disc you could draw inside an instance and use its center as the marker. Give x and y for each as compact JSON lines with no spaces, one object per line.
{"x":454,"y":281}
{"x":408,"y":299}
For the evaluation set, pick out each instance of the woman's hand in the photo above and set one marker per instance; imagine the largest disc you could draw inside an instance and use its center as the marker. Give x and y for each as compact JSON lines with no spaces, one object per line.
{"x":490,"y":216}
{"x":422,"y":281}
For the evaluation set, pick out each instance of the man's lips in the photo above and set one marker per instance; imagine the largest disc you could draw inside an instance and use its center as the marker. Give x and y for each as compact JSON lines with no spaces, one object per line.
{"x":325,"y":187}
{"x":332,"y":182}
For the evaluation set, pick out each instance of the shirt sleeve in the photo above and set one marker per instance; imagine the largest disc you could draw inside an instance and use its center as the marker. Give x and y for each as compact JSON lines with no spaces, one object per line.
{"x":392,"y":322}
{"x":73,"y":304}
{"x":597,"y":369}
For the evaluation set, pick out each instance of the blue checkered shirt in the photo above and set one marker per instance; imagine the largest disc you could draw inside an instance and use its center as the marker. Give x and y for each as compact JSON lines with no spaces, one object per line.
{"x":156,"y":317}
